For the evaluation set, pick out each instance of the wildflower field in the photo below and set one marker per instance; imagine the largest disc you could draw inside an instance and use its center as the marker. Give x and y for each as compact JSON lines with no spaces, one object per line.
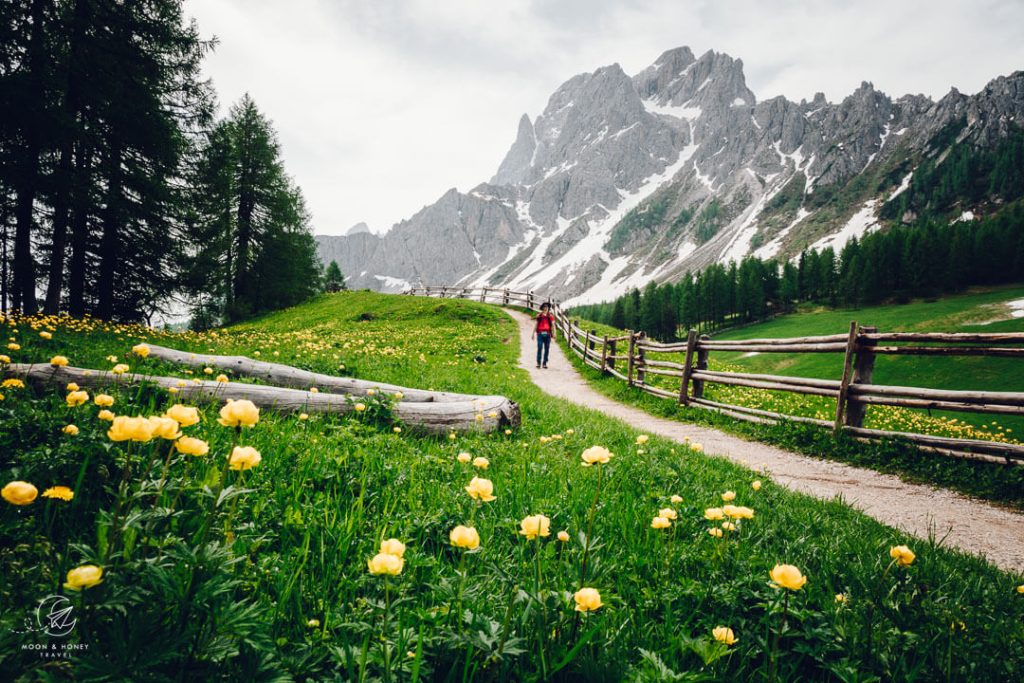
{"x":229,"y":543}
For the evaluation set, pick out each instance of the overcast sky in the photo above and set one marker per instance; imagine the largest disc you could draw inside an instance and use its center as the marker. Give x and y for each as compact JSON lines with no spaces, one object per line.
{"x":383,"y":105}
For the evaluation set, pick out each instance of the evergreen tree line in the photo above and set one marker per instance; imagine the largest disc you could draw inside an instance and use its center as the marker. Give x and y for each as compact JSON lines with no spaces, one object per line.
{"x":112,"y":166}
{"x":924,"y":260}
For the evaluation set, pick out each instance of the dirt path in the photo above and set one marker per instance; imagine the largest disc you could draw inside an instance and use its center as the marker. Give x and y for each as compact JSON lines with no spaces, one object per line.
{"x":973,"y":526}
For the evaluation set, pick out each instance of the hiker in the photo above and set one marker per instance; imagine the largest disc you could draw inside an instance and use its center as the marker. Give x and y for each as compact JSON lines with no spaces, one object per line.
{"x":544,"y":331}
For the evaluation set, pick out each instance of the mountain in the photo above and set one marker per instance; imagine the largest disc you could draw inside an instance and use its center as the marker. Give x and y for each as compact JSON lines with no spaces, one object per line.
{"x":624,"y":179}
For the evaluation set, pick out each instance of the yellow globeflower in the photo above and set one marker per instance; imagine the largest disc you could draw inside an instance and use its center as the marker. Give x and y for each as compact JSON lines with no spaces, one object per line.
{"x":481,"y":489}
{"x":185,"y":416}
{"x":667,"y":513}
{"x":124,"y":428}
{"x":86,"y":576}
{"x":13,"y":383}
{"x":1020,"y":588}
{"x":46,"y":335}
{"x":464,"y":537}
{"x":393,"y":546}
{"x":244,"y":458}
{"x":141,"y":350}
{"x":563,"y":536}
{"x":360,"y":407}
{"x":303,"y":416}
{"x":464,"y":457}
{"x":384,"y":563}
{"x":756,"y":485}
{"x":724,"y":634}
{"x":119,"y":369}
{"x":729,"y":496}
{"x":70,"y":430}
{"x":714,"y":514}
{"x":59,"y":492}
{"x":903,"y":555}
{"x":223,"y":379}
{"x":77,"y":398}
{"x":481,"y":463}
{"x":660,"y":523}
{"x":587,"y":600}
{"x":103,"y":400}
{"x":59,"y":361}
{"x":72,"y":387}
{"x":787,"y":576}
{"x":191,"y":446}
{"x":716,"y":532}
{"x":596,"y":455}
{"x":19,"y":493}
{"x":207,"y":371}
{"x":841,"y":598}
{"x":105,"y":415}
{"x":676,"y":499}
{"x":14,"y":347}
{"x":534,"y":526}
{"x":165,"y":428}
{"x":642,"y":439}
{"x":4,"y":358}
{"x":243,"y":413}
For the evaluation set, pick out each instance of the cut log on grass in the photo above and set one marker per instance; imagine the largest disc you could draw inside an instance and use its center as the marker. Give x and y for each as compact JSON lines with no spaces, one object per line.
{"x":288,"y":376}
{"x":480,"y":413}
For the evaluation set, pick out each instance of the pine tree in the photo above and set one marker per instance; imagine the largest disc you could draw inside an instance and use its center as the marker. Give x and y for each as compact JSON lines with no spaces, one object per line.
{"x":334,"y":281}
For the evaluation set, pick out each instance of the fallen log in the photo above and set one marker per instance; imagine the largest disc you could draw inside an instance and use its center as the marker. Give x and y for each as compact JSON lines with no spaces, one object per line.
{"x":289,"y":376}
{"x":428,"y":416}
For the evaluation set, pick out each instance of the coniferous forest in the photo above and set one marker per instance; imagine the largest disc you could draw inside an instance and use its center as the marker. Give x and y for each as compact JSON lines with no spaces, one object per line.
{"x":929,"y":258}
{"x":113,"y":165}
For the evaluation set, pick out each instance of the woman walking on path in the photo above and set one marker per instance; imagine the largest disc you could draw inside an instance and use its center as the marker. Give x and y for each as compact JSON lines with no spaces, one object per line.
{"x":544,"y":332}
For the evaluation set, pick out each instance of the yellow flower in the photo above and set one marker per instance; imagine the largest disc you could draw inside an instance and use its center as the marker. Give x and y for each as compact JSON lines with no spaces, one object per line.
{"x":70,"y":430}
{"x":464,"y":537}
{"x":4,"y":358}
{"x":124,"y":428}
{"x":119,"y":369}
{"x":141,"y":350}
{"x":13,"y":383}
{"x":563,"y":536}
{"x":728,"y":526}
{"x":1020,"y":588}
{"x":77,"y":398}
{"x":481,"y":489}
{"x":105,"y":415}
{"x":493,"y":414}
{"x":841,"y":598}
{"x":241,"y":413}
{"x":545,"y":439}
{"x":756,"y":485}
{"x":451,"y":435}
{"x":191,"y":446}
{"x":223,"y":379}
{"x":46,"y":335}
{"x":86,"y":576}
{"x":570,"y":432}
{"x":360,"y":407}
{"x":59,"y":361}
{"x":724,"y":634}
{"x":314,"y":390}
{"x":714,"y":514}
{"x":667,"y":513}
{"x":71,"y":386}
{"x":716,"y":532}
{"x":303,"y":416}
{"x":165,"y":428}
{"x":660,"y":523}
{"x":19,"y":493}
{"x":729,"y":496}
{"x":676,"y":499}
{"x":903,"y":555}
{"x":369,"y":392}
{"x":61,"y":492}
{"x":534,"y":526}
{"x":508,"y":432}
{"x":103,"y":400}
{"x":642,"y":439}
{"x":14,"y":347}
{"x":396,"y":430}
{"x":244,"y":458}
{"x":464,"y":457}
{"x":587,"y":600}
{"x":479,"y":417}
{"x":596,"y":455}
{"x":185,"y":416}
{"x":393,"y":546}
{"x":696,"y":447}
{"x":481,"y":462}
{"x":384,"y":563}
{"x":787,"y":576}
{"x":398,"y":395}
{"x":313,"y":623}
{"x":207,"y":371}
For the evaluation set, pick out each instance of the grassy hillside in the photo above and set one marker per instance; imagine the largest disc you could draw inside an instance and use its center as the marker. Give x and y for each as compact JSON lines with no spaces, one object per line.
{"x":262,"y":574}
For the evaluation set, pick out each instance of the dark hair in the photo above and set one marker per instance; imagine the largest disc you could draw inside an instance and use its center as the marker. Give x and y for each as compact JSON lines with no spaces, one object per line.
{"x":545,"y":305}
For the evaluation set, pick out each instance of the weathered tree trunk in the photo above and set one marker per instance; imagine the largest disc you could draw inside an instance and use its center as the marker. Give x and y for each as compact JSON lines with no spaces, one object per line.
{"x":431,"y":417}
{"x":79,"y":232}
{"x":109,"y":239}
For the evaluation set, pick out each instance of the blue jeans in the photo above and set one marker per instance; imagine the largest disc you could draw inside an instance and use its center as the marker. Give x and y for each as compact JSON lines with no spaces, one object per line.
{"x":543,"y":347}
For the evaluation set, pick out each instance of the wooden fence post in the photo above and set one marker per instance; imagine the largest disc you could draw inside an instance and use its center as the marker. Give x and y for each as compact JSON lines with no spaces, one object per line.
{"x":529,"y":300}
{"x":483,"y":295}
{"x":444,"y":291}
{"x":629,"y":358}
{"x":863,"y":369}
{"x":691,"y":345}
{"x":590,"y":339}
{"x":504,"y":298}
{"x":604,"y":356}
{"x":641,"y":371}
{"x":844,"y":384}
{"x":702,"y":364}
{"x":611,"y":353}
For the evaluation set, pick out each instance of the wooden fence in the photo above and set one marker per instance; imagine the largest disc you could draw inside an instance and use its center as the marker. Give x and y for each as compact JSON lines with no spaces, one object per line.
{"x":626,"y":357}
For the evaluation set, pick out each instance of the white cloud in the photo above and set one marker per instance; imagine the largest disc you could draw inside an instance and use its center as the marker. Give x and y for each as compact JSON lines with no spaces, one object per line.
{"x":381,"y":106}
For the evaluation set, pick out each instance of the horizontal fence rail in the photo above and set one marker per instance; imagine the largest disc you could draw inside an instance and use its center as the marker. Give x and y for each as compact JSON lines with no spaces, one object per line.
{"x":625,"y":357}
